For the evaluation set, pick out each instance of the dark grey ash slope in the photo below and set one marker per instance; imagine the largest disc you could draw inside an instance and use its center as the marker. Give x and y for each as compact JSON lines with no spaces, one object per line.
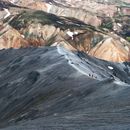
{"x":53,"y":89}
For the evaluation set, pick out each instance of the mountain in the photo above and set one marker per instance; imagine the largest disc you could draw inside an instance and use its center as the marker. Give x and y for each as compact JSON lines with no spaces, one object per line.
{"x":44,"y":29}
{"x":52,"y":88}
{"x":64,"y":65}
{"x":72,"y":25}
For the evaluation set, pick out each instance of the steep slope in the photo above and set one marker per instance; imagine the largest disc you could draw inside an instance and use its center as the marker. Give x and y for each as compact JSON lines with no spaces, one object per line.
{"x":64,"y":65}
{"x":52,"y":88}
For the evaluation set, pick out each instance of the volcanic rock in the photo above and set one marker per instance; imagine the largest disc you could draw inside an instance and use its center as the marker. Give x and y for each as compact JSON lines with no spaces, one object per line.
{"x":52,"y":88}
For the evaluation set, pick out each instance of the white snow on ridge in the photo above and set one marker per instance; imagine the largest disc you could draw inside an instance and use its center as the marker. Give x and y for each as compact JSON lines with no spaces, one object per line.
{"x":48,"y":7}
{"x":55,"y":44}
{"x":119,"y":24}
{"x":59,"y":22}
{"x":22,"y":36}
{"x":50,"y":3}
{"x":12,"y":1}
{"x":7,"y":13}
{"x":71,"y":34}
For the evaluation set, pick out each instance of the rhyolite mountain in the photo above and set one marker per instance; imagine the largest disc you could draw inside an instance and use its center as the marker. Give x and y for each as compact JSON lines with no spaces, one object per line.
{"x":77,"y":27}
{"x":64,"y":65}
{"x":48,"y":29}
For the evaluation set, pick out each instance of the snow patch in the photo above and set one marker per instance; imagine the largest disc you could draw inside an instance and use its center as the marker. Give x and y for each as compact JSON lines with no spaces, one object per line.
{"x":77,"y":24}
{"x":59,"y":22}
{"x":119,"y":24}
{"x":50,"y":3}
{"x":7,"y":13}
{"x":55,"y":44}
{"x":110,"y":67}
{"x":12,"y":1}
{"x":22,"y":36}
{"x":71,"y":34}
{"x":48,"y":7}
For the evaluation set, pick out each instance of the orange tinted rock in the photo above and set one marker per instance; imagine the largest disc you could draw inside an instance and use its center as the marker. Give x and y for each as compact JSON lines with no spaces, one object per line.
{"x":112,"y":50}
{"x":12,"y":38}
{"x":38,"y":6}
